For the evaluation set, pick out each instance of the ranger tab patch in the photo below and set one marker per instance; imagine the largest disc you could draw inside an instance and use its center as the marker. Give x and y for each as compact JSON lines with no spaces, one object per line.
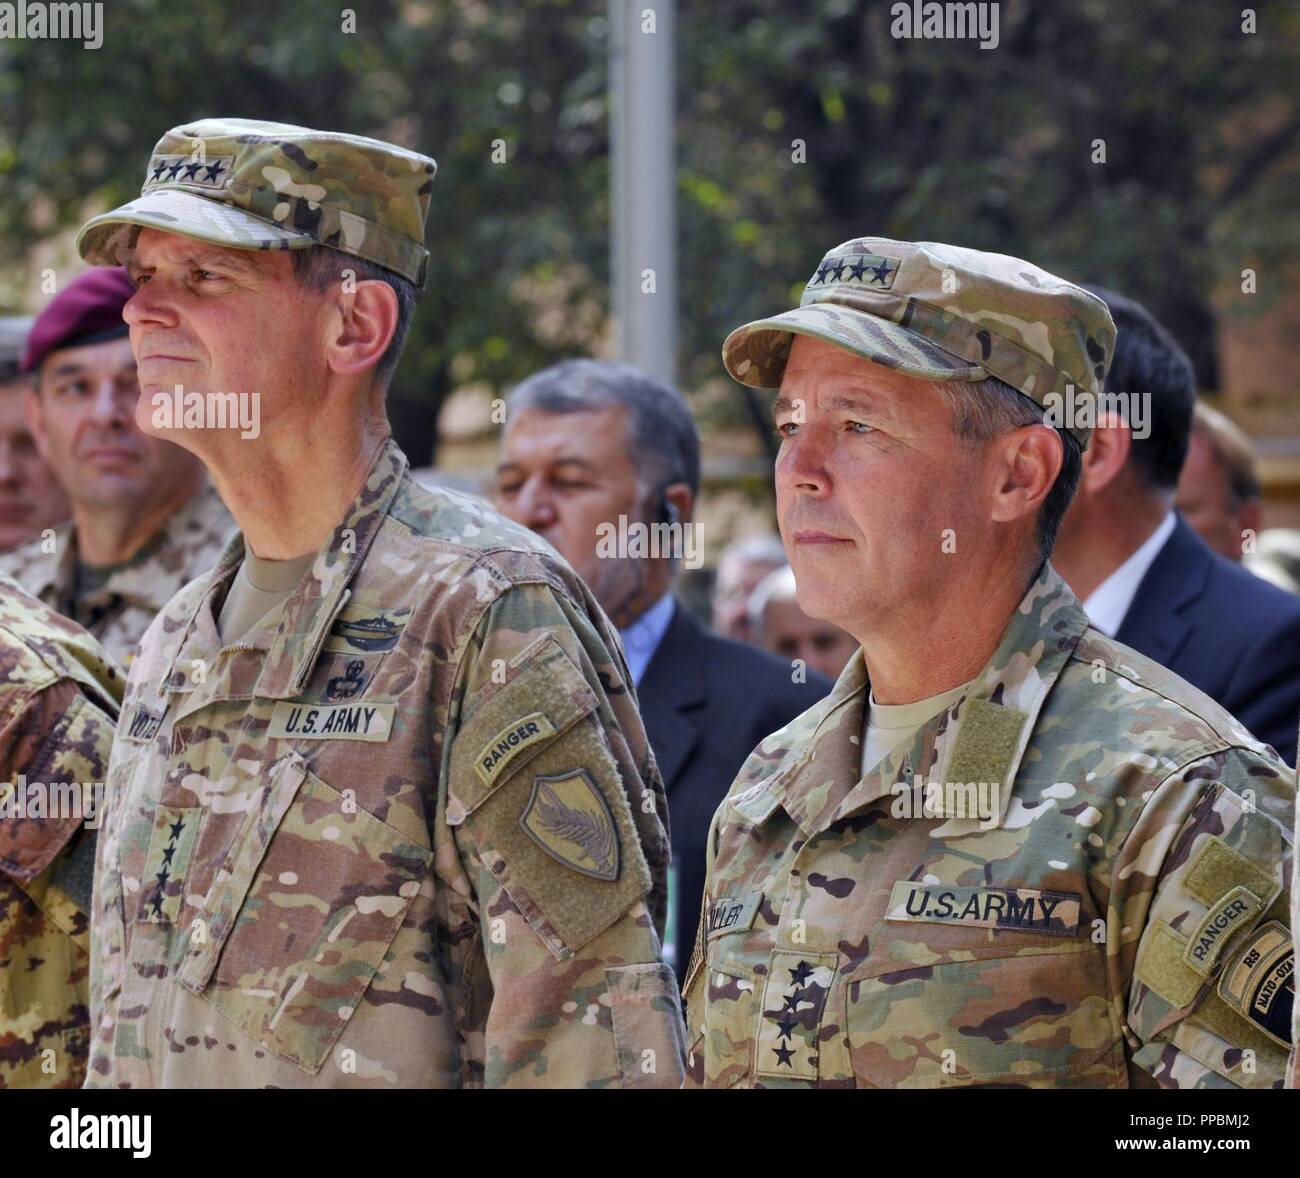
{"x":1259,"y":982}
{"x":507,"y":744}
{"x":1021,"y":910}
{"x":1223,"y":919}
{"x":568,"y":817}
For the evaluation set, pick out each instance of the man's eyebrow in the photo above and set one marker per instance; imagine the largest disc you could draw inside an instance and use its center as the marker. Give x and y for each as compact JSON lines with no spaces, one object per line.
{"x":201,"y":260}
{"x":784,"y":404}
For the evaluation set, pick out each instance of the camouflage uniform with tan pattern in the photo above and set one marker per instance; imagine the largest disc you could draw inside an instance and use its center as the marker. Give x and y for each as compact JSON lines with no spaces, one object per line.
{"x":1121,"y":918}
{"x":408,"y":834}
{"x":59,"y":694}
{"x":119,"y":611}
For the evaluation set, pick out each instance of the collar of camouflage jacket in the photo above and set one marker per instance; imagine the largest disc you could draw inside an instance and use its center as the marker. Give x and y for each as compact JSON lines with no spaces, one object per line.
{"x":148,"y":583}
{"x":961,"y":765}
{"x":309,"y":612}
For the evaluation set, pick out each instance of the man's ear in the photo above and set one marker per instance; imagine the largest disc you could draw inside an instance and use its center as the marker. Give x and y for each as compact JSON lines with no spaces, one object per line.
{"x":1027,"y":462}
{"x":364,"y":327}
{"x":1107,"y":453}
{"x":679,"y":495}
{"x":34,"y":412}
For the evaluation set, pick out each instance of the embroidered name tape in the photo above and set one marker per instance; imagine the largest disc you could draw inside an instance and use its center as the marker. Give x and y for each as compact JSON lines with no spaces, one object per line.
{"x":1026,"y":910}
{"x":292,"y":721}
{"x":1216,"y":927}
{"x":507,"y":744}
{"x":733,"y":914}
{"x":141,"y":724}
{"x":1259,"y":983}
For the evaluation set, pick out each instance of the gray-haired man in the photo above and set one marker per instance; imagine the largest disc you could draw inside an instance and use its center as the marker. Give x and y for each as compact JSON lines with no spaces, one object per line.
{"x":604,"y":462}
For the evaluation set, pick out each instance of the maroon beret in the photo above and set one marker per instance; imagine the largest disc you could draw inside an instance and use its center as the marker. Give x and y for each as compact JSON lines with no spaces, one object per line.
{"x":87,"y":311}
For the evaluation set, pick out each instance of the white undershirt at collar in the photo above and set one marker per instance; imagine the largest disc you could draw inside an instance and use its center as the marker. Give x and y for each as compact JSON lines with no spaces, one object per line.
{"x":1110,"y":601}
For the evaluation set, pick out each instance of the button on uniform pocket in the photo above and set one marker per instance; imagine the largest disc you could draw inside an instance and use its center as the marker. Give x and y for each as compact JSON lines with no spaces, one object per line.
{"x":301,"y":915}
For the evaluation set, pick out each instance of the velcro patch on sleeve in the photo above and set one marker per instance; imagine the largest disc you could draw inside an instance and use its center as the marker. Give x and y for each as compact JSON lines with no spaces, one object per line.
{"x":733,"y":914}
{"x":550,"y":816}
{"x":1225,"y":916}
{"x":1160,"y":965}
{"x":1215,"y":869}
{"x":1259,"y":981}
{"x":1022,"y":910}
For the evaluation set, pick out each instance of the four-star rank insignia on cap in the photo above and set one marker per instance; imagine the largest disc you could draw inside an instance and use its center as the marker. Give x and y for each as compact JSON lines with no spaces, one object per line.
{"x":184,"y":169}
{"x":871,"y":270}
{"x":568,"y":817}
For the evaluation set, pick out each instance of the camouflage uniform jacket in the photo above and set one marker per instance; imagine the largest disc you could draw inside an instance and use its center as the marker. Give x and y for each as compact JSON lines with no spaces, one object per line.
{"x":410,"y":833}
{"x":120,"y":610}
{"x":1120,"y":918}
{"x":59,"y":694}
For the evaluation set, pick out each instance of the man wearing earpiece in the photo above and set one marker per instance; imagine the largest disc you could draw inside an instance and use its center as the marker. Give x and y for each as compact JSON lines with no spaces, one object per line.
{"x":604,"y":463}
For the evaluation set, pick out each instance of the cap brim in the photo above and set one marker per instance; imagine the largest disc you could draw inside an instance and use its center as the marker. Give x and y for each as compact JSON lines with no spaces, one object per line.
{"x":756,"y":354}
{"x":106,"y":240}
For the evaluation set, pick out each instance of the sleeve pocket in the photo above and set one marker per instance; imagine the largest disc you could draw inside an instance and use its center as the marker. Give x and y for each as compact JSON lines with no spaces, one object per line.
{"x":541,"y":802}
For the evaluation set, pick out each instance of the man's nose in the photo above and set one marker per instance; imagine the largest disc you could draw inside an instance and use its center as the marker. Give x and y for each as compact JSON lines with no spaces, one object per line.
{"x":536,"y":505}
{"x":802,"y":462}
{"x":108,"y":406}
{"x":150,"y":305}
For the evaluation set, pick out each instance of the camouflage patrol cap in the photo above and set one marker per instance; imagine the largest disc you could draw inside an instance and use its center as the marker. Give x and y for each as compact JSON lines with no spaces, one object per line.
{"x":942,"y":312}
{"x":251,"y":185}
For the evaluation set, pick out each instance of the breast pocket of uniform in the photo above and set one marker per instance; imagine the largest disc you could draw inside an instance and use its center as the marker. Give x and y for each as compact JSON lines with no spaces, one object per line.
{"x":541,"y":800}
{"x":301,"y":915}
{"x":982,"y":1005}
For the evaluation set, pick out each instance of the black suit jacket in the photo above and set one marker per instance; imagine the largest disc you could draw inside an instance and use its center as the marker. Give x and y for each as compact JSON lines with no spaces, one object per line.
{"x":1224,"y":630}
{"x":707,"y":702}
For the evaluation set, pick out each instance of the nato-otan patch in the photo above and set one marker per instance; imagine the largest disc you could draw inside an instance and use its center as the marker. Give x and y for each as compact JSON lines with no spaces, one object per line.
{"x":360,"y":721}
{"x":1021,"y":910}
{"x":1259,"y":981}
{"x":140,"y":724}
{"x":495,"y":756}
{"x":733,"y":914}
{"x":568,"y":817}
{"x":1216,"y":927}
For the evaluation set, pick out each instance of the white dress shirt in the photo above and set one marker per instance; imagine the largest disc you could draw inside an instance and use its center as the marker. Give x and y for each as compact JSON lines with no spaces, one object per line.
{"x":1110,"y":601}
{"x":641,"y":639}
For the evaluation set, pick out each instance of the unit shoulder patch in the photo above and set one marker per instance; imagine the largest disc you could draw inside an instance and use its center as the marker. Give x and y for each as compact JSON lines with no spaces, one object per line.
{"x":1259,"y":981}
{"x":568,"y":817}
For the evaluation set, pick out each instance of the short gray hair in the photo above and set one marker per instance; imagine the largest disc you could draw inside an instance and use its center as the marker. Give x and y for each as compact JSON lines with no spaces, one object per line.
{"x":662,"y":442}
{"x":986,"y":409}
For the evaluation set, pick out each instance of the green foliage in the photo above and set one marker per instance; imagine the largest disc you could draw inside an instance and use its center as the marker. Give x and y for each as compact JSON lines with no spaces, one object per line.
{"x":916,"y":139}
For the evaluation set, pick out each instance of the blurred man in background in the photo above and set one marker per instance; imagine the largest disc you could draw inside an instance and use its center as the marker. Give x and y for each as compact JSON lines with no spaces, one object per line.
{"x":31,"y":499}
{"x":1144,"y":576}
{"x":779,"y":625}
{"x":145,"y":520}
{"x":1218,"y":490}
{"x":743,"y":564}
{"x":589,"y":444}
